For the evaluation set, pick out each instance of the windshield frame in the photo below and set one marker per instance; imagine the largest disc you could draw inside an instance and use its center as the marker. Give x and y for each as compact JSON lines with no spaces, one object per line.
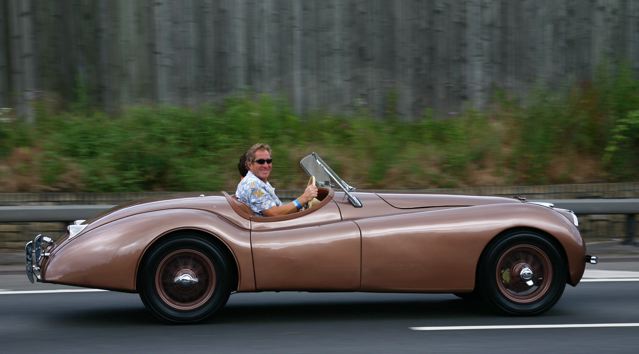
{"x":316,"y":161}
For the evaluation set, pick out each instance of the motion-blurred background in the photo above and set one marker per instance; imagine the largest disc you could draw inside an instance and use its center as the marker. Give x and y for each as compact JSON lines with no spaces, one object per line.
{"x":475,"y":96}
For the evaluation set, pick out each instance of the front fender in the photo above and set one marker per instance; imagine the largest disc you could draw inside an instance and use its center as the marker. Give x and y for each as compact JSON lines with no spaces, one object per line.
{"x":440,"y":250}
{"x":108,"y":256}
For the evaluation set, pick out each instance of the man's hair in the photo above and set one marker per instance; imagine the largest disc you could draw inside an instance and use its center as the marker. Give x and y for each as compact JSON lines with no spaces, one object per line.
{"x":250,"y":154}
{"x":241,"y":165}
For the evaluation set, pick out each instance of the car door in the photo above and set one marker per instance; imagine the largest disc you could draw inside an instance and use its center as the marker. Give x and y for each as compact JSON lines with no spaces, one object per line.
{"x":317,"y":251}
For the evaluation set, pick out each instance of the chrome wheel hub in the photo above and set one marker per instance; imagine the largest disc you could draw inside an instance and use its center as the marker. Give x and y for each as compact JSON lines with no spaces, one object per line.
{"x":526,"y":274}
{"x":186,"y":278}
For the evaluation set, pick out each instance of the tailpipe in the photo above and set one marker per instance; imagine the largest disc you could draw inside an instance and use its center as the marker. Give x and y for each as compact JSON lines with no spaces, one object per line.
{"x":592,"y":259}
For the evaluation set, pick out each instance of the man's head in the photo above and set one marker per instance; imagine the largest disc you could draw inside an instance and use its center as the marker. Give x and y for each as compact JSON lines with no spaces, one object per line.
{"x":258,"y":161}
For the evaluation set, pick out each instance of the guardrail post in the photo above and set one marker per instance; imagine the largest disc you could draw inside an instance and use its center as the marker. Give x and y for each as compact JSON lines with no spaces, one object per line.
{"x":631,"y":224}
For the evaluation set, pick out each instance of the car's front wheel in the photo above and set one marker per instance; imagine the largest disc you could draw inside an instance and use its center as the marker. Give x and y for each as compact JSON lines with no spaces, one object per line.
{"x":523,"y":273}
{"x":184,"y":279}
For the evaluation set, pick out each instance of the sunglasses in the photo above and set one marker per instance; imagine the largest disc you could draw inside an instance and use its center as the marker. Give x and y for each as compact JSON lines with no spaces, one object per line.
{"x":263,"y":161}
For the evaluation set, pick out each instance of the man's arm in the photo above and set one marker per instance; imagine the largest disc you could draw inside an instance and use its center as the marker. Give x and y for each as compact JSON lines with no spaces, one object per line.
{"x":284,"y":209}
{"x":309,"y":193}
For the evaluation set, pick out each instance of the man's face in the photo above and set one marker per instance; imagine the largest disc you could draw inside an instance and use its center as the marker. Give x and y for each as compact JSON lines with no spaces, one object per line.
{"x":261,"y":171}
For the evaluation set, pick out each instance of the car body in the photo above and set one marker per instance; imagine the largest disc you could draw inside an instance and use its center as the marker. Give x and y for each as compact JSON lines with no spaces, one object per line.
{"x":185,"y":256}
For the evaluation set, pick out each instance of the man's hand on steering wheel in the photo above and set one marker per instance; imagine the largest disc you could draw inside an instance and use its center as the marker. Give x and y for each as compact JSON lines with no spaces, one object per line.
{"x":309,"y":193}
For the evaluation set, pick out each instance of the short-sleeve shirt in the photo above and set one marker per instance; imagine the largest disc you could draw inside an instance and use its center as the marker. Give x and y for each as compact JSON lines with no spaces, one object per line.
{"x":257,"y":194}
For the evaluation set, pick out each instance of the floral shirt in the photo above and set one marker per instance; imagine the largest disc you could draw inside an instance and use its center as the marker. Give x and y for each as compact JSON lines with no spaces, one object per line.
{"x":257,"y":194}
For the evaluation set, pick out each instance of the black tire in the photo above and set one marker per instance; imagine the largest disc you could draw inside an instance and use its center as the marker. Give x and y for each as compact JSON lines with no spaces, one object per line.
{"x":522,"y":273}
{"x":184,"y":279}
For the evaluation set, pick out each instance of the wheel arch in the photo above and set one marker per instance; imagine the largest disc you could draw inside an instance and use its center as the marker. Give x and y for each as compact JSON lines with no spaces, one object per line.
{"x":209,"y":237}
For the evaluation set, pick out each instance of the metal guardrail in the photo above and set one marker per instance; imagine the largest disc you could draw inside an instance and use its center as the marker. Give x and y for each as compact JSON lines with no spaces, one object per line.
{"x":50,"y":213}
{"x":598,"y":206}
{"x":628,"y":207}
{"x":68,"y":213}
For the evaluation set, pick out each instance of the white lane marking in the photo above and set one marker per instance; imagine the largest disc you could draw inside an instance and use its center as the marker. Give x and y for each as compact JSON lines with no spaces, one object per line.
{"x":546,"y":326}
{"x":600,"y":273}
{"x":605,"y":276}
{"x":58,"y":291}
{"x":603,"y":280}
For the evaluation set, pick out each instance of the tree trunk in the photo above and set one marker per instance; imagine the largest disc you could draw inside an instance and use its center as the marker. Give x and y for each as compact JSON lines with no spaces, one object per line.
{"x":4,"y":56}
{"x":22,"y":58}
{"x":163,"y":51}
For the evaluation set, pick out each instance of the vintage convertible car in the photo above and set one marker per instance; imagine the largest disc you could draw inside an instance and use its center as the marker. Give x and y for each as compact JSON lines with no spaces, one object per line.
{"x":186,"y":256}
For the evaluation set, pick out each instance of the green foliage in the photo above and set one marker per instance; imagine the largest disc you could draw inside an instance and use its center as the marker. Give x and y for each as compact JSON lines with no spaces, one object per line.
{"x":13,"y":135}
{"x":622,"y":152}
{"x":567,"y":126}
{"x":618,"y":89}
{"x":588,"y":132}
{"x":539,"y":128}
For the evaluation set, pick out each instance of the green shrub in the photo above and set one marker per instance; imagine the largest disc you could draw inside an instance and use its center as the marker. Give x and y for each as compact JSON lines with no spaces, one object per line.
{"x":622,"y":152}
{"x":14,"y":135}
{"x":181,"y":149}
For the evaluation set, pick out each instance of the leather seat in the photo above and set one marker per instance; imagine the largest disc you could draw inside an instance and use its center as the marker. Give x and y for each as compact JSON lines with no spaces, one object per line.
{"x":240,"y":208}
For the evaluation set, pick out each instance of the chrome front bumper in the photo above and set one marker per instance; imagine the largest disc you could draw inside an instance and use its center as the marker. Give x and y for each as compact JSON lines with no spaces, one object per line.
{"x":35,"y":252}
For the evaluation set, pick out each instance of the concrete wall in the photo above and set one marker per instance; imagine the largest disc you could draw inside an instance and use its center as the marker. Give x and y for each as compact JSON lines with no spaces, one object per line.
{"x":385,"y":56}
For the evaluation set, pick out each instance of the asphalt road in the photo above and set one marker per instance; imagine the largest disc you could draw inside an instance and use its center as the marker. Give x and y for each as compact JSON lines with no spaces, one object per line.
{"x":108,"y":322}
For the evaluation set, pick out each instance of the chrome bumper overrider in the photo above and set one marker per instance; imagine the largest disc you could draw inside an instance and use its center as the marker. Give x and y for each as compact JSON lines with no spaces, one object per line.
{"x":35,"y":252}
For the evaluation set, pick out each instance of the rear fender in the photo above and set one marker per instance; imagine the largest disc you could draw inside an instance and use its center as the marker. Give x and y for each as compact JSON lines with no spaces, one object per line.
{"x":108,"y":256}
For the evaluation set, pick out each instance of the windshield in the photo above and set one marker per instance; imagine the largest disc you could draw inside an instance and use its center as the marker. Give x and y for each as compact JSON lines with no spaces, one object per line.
{"x":326,"y":177}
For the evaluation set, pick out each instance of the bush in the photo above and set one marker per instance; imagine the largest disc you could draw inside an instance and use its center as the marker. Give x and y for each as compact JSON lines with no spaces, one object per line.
{"x":586,"y":133}
{"x":622,"y":152}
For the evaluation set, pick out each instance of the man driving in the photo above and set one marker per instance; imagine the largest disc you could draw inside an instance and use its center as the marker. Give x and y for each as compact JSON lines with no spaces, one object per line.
{"x":256,"y":191}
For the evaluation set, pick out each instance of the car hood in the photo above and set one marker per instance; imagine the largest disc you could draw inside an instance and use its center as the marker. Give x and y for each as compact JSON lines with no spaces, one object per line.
{"x":417,"y":201}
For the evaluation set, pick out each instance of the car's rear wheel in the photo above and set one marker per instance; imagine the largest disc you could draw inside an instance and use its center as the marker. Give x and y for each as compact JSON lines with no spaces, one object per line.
{"x":184,"y":279}
{"x":523,"y":273}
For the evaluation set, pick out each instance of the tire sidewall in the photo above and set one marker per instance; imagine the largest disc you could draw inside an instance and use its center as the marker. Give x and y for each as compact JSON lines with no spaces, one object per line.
{"x":149,"y":294}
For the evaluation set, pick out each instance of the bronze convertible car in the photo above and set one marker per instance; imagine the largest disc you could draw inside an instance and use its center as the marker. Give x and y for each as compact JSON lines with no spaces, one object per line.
{"x":186,"y":256}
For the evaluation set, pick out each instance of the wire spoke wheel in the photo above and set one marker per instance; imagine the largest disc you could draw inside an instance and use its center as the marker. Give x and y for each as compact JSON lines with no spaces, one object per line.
{"x":185,"y":279}
{"x":522,"y":273}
